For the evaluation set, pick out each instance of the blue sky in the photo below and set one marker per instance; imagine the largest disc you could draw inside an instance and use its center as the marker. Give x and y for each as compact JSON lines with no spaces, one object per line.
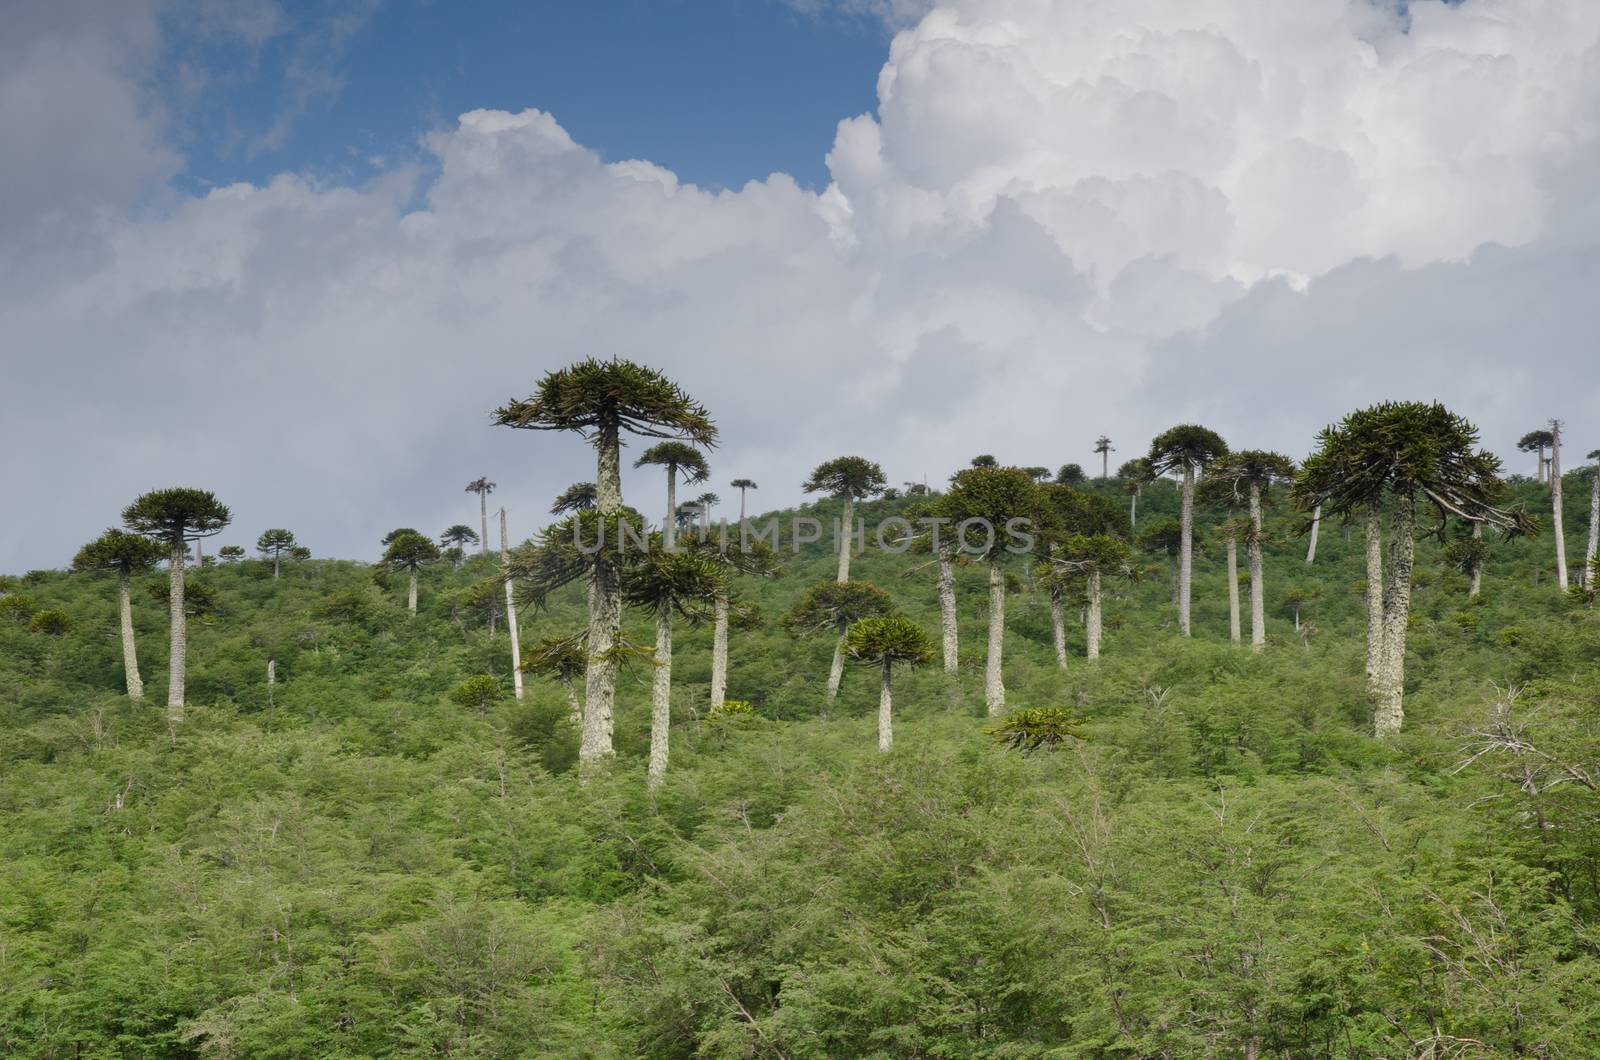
{"x":720,"y":91}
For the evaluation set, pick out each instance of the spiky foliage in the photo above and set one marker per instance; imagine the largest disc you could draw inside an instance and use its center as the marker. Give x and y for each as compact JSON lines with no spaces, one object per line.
{"x":566,"y":551}
{"x":836,"y":606}
{"x":1138,"y":470}
{"x":408,"y":551}
{"x":1163,"y":536}
{"x":1465,"y":555}
{"x":478,"y":692}
{"x":388,"y":539}
{"x":578,"y":497}
{"x":177,"y":515}
{"x":234,"y":553}
{"x":682,"y":582}
{"x":1236,"y":472}
{"x":1186,"y":445}
{"x":458,"y":536}
{"x":888,"y":639}
{"x":744,"y":484}
{"x":1585,"y":591}
{"x":1103,"y":449}
{"x":1038,"y":474}
{"x":688,"y":462}
{"x":992,"y":496}
{"x":1064,"y":511}
{"x":855,"y":477}
{"x":707,"y":501}
{"x":563,"y":658}
{"x":273,"y":545}
{"x":597,"y":397}
{"x":51,"y":623}
{"x":1043,"y":727}
{"x":1070,"y":474}
{"x":1537,"y":442}
{"x":119,"y":551}
{"x":480,"y":486}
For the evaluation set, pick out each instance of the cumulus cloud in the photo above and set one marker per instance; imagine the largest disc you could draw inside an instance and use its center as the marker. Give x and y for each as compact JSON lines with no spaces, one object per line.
{"x":1067,"y":217}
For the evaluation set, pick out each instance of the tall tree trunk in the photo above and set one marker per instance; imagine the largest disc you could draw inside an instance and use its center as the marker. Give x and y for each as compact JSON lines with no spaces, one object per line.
{"x":1105,"y":464}
{"x":1258,"y":596}
{"x":1133,"y":507}
{"x":741,"y":505}
{"x":947,"y":612}
{"x":849,"y":523}
{"x":1374,"y":528}
{"x":1096,"y":608}
{"x":994,"y":686}
{"x":130,"y":657}
{"x":511,"y":609}
{"x":277,"y":562}
{"x":411,"y":590}
{"x":669,"y":530}
{"x":1058,"y":627}
{"x":1477,"y":563}
{"x":719,"y":652}
{"x":483,"y":517}
{"x":1233,"y":589}
{"x":605,"y":610}
{"x":572,"y":702}
{"x":1540,"y":474}
{"x":180,"y":632}
{"x":1186,"y":551}
{"x":1594,"y":526}
{"x":661,"y":696}
{"x":885,"y":715}
{"x":1557,"y":525}
{"x":1316,"y":526}
{"x":836,"y":668}
{"x":1396,"y":612}
{"x":199,"y":553}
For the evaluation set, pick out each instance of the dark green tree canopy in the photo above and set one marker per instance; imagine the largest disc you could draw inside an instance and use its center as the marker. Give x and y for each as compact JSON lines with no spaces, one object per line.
{"x":388,"y":539}
{"x":275,"y":542}
{"x":1070,"y":474}
{"x":458,"y":535}
{"x":1064,"y":511}
{"x":744,"y":484}
{"x":1136,"y":470}
{"x":596,"y":396}
{"x":1038,"y":474}
{"x":686,"y":460}
{"x":888,"y":638}
{"x":847,"y":476}
{"x":1186,"y":445}
{"x":232,"y":553}
{"x":119,"y":551}
{"x":564,"y":658}
{"x":481,"y":486}
{"x":993,"y":496}
{"x":835,"y":605}
{"x":1233,"y":474}
{"x":685,"y":582}
{"x":565,"y":551}
{"x":1533,"y":441}
{"x":176,"y":514}
{"x":578,"y":497}
{"x":985,"y":460}
{"x":1164,"y":535}
{"x":408,"y":551}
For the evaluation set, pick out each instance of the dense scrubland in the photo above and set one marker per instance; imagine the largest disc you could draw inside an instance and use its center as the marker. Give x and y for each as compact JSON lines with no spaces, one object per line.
{"x":362,"y":859}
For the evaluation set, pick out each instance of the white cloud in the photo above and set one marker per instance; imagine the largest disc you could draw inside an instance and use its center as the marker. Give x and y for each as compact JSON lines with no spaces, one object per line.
{"x":1068,"y":218}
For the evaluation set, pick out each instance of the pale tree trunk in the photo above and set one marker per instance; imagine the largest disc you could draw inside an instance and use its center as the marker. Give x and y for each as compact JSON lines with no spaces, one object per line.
{"x":277,"y":562}
{"x":1258,"y":595}
{"x":1390,"y":714}
{"x":180,"y":633}
{"x":130,"y":657}
{"x":572,"y":702}
{"x":1058,"y":628}
{"x":1093,"y":624}
{"x":669,"y":530}
{"x":885,"y":717}
{"x":719,"y":652}
{"x":1540,"y":474}
{"x":1316,"y":526}
{"x":1186,"y":551}
{"x":605,"y":612}
{"x":1233,"y":590}
{"x":1594,"y":526}
{"x":1133,"y":508}
{"x":199,"y":553}
{"x":741,"y":505}
{"x":836,"y":668}
{"x":272,"y":678}
{"x":994,"y":686}
{"x":511,"y":610}
{"x":1374,"y":527}
{"x":1477,"y":564}
{"x":947,"y":612}
{"x":411,"y":589}
{"x":849,"y":522}
{"x":661,"y":696}
{"x":1105,"y":465}
{"x":483,"y":517}
{"x":1555,"y":505}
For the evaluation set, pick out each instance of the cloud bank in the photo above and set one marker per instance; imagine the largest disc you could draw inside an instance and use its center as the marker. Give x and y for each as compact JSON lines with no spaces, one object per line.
{"x":1067,"y":218}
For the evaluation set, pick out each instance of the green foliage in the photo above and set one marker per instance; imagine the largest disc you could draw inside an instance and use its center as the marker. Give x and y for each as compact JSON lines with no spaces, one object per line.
{"x":458,"y":536}
{"x":603,"y":397}
{"x":835,"y":605}
{"x":235,"y":553}
{"x":15,"y":608}
{"x":730,"y":712}
{"x":175,"y":514}
{"x":688,"y":462}
{"x":51,"y":623}
{"x":408,"y":550}
{"x":888,"y":638}
{"x":478,"y":692}
{"x":990,"y":497}
{"x":276,"y":543}
{"x":119,"y":551}
{"x":578,"y":497}
{"x":1041,"y":727}
{"x":1069,"y":475}
{"x":1186,"y":445}
{"x":563,"y":658}
{"x":847,"y":476}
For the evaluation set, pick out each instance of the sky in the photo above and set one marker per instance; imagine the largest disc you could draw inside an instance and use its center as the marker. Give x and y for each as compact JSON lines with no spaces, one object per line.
{"x":295,"y":252}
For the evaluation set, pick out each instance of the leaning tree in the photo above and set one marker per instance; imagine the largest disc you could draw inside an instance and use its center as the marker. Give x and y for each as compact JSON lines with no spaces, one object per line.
{"x":836,"y":606}
{"x":273,"y":544}
{"x":743,"y":484}
{"x":680,"y":460}
{"x":173,"y":517}
{"x":664,"y":583}
{"x":1187,"y":449}
{"x":127,"y":554}
{"x":884,"y":641}
{"x":409,"y":551}
{"x":600,"y":400}
{"x":850,"y":479}
{"x":482,"y":487}
{"x":1390,"y":457}
{"x":1250,"y":474}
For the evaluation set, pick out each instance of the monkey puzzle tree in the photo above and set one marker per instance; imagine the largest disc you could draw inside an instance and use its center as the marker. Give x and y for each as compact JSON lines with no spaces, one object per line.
{"x":1593,"y":547}
{"x":1103,"y":446}
{"x":458,"y":537}
{"x":678,"y":459}
{"x":273,"y":544}
{"x":1038,"y":474}
{"x":600,"y":400}
{"x":1165,"y":536}
{"x":409,"y":551}
{"x":127,"y":554}
{"x":990,"y":500}
{"x":482,"y":487}
{"x":850,"y":479}
{"x":1134,"y":474}
{"x":578,"y":497}
{"x":1557,"y":522}
{"x":1467,"y":554}
{"x":836,"y":606}
{"x":939,"y":541}
{"x":1091,"y":559}
{"x":1251,"y":473}
{"x":388,"y":538}
{"x":563,"y":658}
{"x":173,"y":517}
{"x":884,"y":641}
{"x":1536,"y":442}
{"x":1187,"y":449}
{"x":1390,"y":456}
{"x":752,"y":559}
{"x":1221,"y":495}
{"x":743,"y":484}
{"x":663,"y":583}
{"x":1070,"y":475}
{"x":1066,"y":515}
{"x":230,"y":553}
{"x":705,"y":502}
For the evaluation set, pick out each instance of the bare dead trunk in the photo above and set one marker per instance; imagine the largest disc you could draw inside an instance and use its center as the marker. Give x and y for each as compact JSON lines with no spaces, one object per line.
{"x":1390,"y":714}
{"x":511,"y":609}
{"x":994,"y":687}
{"x":1058,"y":628}
{"x":179,"y":621}
{"x":1186,"y":551}
{"x":1233,"y":590}
{"x":1316,"y":527}
{"x":130,"y":656}
{"x":719,"y":652}
{"x":1258,"y":596}
{"x":605,"y":611}
{"x":1093,"y":624}
{"x":849,"y":524}
{"x":947,"y":612}
{"x":1557,"y":527}
{"x":661,"y":696}
{"x":885,"y":718}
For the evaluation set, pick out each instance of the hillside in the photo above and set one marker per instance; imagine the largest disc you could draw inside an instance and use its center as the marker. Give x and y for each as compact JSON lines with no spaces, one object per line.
{"x":350,"y":863}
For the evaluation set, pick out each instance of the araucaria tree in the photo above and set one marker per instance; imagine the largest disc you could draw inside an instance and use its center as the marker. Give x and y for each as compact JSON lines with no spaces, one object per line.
{"x":1390,"y":457}
{"x":883,"y":642}
{"x":680,"y":460}
{"x":274,"y":544}
{"x":409,"y":552}
{"x":1249,"y":474}
{"x":981,"y":505}
{"x":1557,"y":525}
{"x":743,"y":484}
{"x":482,"y":487}
{"x":578,"y":497}
{"x":1536,"y":442}
{"x":663,"y":583}
{"x":1593,"y":548}
{"x":564,"y":659}
{"x":173,"y":517}
{"x":459,"y":537}
{"x":850,"y":479}
{"x":1134,"y":474}
{"x":836,"y":606}
{"x":127,"y":554}
{"x":1079,"y":545}
{"x":1103,"y":446}
{"x":600,"y":400}
{"x":753,"y":559}
{"x":1186,"y":449}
